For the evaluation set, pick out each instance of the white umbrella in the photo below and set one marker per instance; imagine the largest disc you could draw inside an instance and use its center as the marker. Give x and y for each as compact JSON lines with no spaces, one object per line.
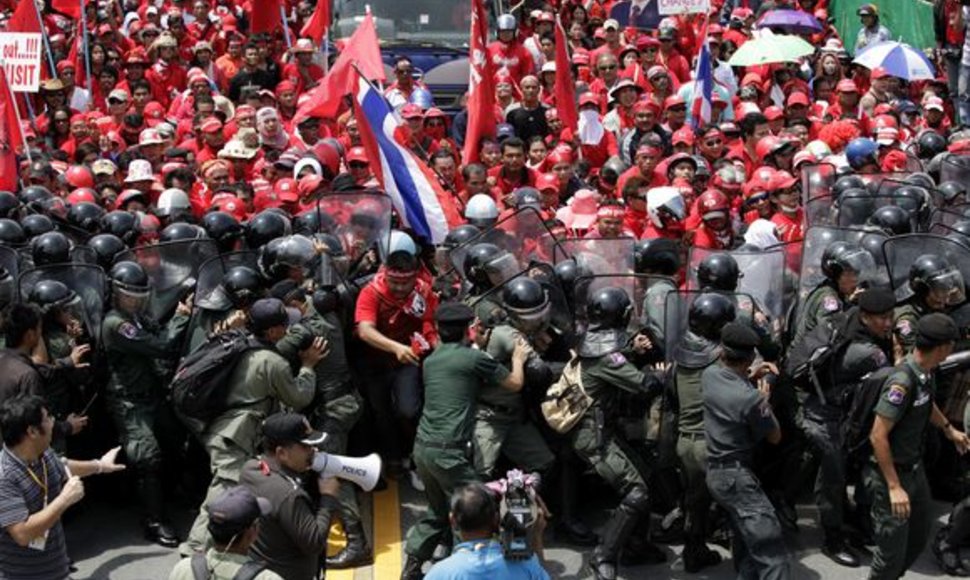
{"x":898,"y":59}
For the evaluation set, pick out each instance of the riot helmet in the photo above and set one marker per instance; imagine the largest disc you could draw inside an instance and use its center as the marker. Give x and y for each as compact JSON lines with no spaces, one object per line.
{"x":123,"y":224}
{"x":266,"y":226}
{"x":952,"y":190}
{"x":708,"y":313}
{"x":486,"y":265}
{"x":106,"y":248}
{"x":9,"y":205}
{"x":718,"y":272}
{"x":36,"y":224}
{"x":86,"y":216}
{"x":892,"y":219}
{"x":224,"y":228}
{"x":48,"y":294}
{"x":847,"y":182}
{"x":11,"y":234}
{"x":916,"y":200}
{"x":527,"y":304}
{"x":242,"y":285}
{"x":930,"y":144}
{"x":932,"y":278}
{"x":50,"y":248}
{"x":609,"y":308}
{"x":130,"y":287}
{"x":181,"y":231}
{"x":657,"y":256}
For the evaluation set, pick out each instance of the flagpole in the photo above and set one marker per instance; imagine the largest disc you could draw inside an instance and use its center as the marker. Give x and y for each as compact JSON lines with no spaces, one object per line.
{"x":380,"y":85}
{"x":286,"y":27}
{"x":87,"y":54}
{"x":46,"y":40}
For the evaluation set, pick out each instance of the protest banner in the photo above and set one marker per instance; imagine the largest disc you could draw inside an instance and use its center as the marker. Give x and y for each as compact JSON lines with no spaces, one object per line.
{"x":20,"y":53}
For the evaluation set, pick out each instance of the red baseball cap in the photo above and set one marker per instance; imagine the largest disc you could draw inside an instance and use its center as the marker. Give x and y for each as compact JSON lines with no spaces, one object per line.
{"x":774,"y":113}
{"x":797,"y":98}
{"x":547,"y":181}
{"x":359,"y":154}
{"x":683,"y":135}
{"x":847,"y":86}
{"x":286,"y":190}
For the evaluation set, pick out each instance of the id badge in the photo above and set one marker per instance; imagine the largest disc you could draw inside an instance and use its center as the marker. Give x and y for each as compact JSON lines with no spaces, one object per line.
{"x":39,"y":543}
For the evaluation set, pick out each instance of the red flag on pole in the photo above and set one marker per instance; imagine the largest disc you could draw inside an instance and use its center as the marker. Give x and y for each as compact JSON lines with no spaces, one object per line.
{"x":24,"y":19}
{"x":565,"y":86}
{"x":10,"y":136}
{"x":481,"y":90}
{"x":316,"y":27}
{"x":362,"y":50}
{"x":70,"y":8}
{"x":266,"y":16}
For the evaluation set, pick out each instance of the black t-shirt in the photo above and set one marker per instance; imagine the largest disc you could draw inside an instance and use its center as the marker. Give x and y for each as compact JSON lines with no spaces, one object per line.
{"x":528,"y":122}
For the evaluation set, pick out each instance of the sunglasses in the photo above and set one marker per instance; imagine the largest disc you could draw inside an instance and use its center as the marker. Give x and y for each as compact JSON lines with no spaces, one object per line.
{"x":678,"y":109}
{"x":756,"y":199}
{"x":713,"y":143}
{"x":436,"y":123}
{"x":357,"y":165}
{"x":610,"y":67}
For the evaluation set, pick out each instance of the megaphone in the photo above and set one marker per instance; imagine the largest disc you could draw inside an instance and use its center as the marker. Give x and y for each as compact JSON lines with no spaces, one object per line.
{"x":364,"y":471}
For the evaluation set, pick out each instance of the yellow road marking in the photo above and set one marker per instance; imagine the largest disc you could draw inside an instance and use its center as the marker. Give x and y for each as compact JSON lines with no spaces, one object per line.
{"x":387,"y":533}
{"x":335,"y":542}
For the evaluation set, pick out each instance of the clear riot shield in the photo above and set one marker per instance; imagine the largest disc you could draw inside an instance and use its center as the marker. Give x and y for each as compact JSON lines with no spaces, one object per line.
{"x":817,"y":182}
{"x":599,"y":256}
{"x":10,"y":262}
{"x":519,"y":234}
{"x":559,"y":314}
{"x":955,"y":168}
{"x":817,"y":239}
{"x":210,"y":302}
{"x":361,"y":221}
{"x":949,"y":215}
{"x":902,"y":251}
{"x":89,"y":282}
{"x":648,"y":295}
{"x":762,"y":277}
{"x":854,"y":211}
{"x":677,"y":310}
{"x":792,"y":252}
{"x":172,"y":269}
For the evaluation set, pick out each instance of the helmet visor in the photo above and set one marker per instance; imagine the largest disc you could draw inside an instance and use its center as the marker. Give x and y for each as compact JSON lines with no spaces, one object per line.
{"x":862,"y":263}
{"x":532,"y":320}
{"x":948,"y":287}
{"x":502,"y":268}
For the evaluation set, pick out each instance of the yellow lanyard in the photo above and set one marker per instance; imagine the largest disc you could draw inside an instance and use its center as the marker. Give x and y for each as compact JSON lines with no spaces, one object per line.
{"x":42,"y":485}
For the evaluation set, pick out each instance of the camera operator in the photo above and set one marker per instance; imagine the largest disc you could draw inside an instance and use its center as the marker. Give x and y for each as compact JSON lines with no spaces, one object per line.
{"x":475,"y":519}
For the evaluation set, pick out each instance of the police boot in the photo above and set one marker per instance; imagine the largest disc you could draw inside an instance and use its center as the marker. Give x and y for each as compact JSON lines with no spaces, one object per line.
{"x":151,"y":495}
{"x":838,"y":549}
{"x":698,"y":556}
{"x":356,"y":553}
{"x":604,"y":561}
{"x":412,"y":569}
{"x":639,"y":550}
{"x":569,"y":528}
{"x":948,"y":555}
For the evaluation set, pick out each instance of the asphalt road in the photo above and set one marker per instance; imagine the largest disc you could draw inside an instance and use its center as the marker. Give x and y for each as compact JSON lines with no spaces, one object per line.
{"x":105,"y":542}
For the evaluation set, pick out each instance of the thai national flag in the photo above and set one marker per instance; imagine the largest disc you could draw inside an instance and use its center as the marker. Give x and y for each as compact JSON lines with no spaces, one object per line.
{"x":415,"y":191}
{"x":700,"y":107}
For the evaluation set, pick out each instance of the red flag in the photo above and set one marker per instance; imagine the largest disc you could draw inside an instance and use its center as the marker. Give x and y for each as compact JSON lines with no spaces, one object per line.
{"x":362,"y":50}
{"x":316,"y":27}
{"x":265,"y":17}
{"x":70,"y":8}
{"x":565,"y":86}
{"x":24,"y":19}
{"x":481,"y":92}
{"x":10,"y":136}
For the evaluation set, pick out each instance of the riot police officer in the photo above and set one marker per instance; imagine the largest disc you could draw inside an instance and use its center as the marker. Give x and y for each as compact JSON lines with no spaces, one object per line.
{"x":843,"y":263}
{"x":605,"y":372}
{"x":696,"y":351}
{"x":483,"y":265}
{"x":870,"y":329}
{"x":656,"y":257}
{"x":933,"y":286}
{"x":135,"y":393}
{"x":736,"y":417}
{"x":240,"y":287}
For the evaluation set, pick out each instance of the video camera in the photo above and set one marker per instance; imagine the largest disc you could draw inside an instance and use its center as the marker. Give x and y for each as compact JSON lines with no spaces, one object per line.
{"x":519,"y":510}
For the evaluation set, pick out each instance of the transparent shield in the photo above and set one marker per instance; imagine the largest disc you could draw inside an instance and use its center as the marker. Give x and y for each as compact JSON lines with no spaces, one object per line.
{"x":523,"y":234}
{"x":600,"y":256}
{"x":950,"y":215}
{"x":172,"y":269}
{"x":955,"y":168}
{"x":89,"y":282}
{"x":902,"y":251}
{"x":817,"y":181}
{"x":677,"y":310}
{"x":647,"y":293}
{"x":361,"y":221}
{"x":762,"y":276}
{"x":208,"y":289}
{"x":560,"y":315}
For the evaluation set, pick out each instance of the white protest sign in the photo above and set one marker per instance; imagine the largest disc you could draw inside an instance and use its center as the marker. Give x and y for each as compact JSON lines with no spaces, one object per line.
{"x":20,"y":53}
{"x":669,"y":7}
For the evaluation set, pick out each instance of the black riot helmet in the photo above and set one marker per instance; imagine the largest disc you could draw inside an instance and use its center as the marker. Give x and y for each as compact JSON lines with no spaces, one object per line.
{"x":312,"y":222}
{"x":527,"y":303}
{"x":9,"y":205}
{"x":916,"y":200}
{"x":841,"y":256}
{"x":242,"y":285}
{"x":266,"y":226}
{"x":612,"y":170}
{"x":920,"y":179}
{"x":180,"y":231}
{"x":86,"y":216}
{"x":845,"y":183}
{"x":11,"y":234}
{"x":50,"y":248}
{"x":657,"y":256}
{"x":326,"y":299}
{"x":708,"y":313}
{"x":952,"y":191}
{"x":106,"y":248}
{"x":36,"y":224}
{"x":609,"y":308}
{"x":718,"y":272}
{"x":129,"y":277}
{"x":475,"y":260}
{"x":930,"y":144}
{"x":933,"y":273}
{"x":461,"y":234}
{"x":854,"y":206}
{"x":34,"y":196}
{"x":49,"y":294}
{"x":892,"y":219}
{"x":123,"y":224}
{"x":224,"y":228}
{"x":960,"y":232}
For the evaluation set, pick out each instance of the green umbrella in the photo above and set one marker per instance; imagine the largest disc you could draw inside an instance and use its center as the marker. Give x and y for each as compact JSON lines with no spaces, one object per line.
{"x":769,"y":49}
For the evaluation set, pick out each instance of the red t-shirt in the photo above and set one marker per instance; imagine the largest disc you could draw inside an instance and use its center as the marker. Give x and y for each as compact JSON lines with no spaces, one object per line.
{"x":396,"y":319}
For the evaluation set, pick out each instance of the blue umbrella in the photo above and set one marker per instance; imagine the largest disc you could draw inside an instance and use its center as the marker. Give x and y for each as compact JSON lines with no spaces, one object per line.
{"x":899,"y":59}
{"x":791,"y":21}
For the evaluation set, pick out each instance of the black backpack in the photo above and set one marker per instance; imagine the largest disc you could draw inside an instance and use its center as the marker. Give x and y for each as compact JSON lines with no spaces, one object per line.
{"x":201,"y":381}
{"x":810,"y":362}
{"x":860,"y":405}
{"x":249,"y":570}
